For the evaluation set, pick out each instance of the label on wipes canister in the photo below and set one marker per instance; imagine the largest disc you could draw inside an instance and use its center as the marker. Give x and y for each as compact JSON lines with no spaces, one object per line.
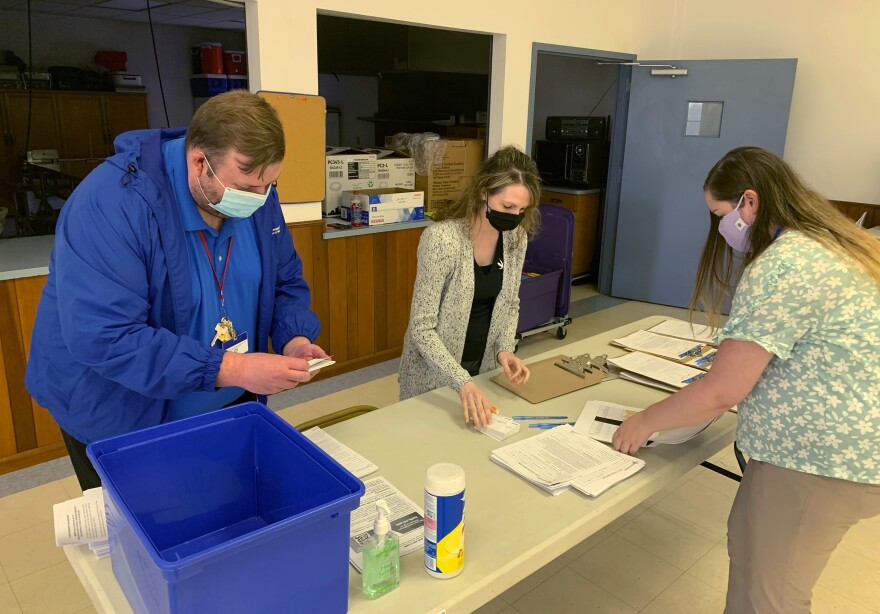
{"x":444,"y":533}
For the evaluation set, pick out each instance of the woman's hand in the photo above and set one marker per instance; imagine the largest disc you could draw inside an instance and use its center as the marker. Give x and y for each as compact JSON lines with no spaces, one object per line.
{"x":475,"y":405}
{"x":633,"y":433}
{"x":514,"y":369}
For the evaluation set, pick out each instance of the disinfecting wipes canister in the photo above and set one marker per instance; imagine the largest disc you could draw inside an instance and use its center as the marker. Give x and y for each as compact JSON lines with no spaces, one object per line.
{"x":444,"y":520}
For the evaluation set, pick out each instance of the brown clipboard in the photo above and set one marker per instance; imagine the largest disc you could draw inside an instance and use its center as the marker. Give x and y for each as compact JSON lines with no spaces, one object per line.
{"x":303,"y":118}
{"x":547,"y":381}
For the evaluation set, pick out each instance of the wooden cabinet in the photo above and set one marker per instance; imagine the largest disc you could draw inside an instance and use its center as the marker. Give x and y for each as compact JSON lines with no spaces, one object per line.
{"x":123,"y":112}
{"x":14,"y":126}
{"x":81,"y":126}
{"x":28,"y":433}
{"x":585,"y":205}
{"x":76,"y":124}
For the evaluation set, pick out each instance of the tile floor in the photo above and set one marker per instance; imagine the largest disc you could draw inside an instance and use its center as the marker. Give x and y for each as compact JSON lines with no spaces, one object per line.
{"x":665,"y":556}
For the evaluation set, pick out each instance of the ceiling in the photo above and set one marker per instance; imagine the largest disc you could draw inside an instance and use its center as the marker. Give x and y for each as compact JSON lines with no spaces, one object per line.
{"x":226,"y":14}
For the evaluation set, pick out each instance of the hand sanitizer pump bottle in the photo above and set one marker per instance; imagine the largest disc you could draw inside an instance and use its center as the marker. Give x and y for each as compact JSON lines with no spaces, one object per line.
{"x":381,"y":556}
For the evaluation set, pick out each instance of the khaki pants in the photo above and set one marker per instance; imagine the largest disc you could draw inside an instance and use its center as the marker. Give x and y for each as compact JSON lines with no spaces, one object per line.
{"x":782,"y":529}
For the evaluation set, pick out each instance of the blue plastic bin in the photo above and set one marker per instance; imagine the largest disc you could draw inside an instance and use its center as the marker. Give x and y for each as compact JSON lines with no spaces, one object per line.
{"x":203,"y":86}
{"x":231,"y":511}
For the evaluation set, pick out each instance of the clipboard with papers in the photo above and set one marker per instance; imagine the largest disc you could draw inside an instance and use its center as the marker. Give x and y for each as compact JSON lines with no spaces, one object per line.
{"x":685,"y":330}
{"x":685,"y":351}
{"x":556,"y":376}
{"x":655,"y":371}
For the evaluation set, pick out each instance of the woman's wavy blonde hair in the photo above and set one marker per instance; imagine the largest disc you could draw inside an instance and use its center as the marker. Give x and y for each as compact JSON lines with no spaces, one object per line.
{"x":784,"y":199}
{"x":507,"y":166}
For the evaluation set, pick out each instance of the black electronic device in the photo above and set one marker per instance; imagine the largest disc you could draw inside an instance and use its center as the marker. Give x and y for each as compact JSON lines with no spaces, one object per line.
{"x":578,"y":164}
{"x":569,"y":128}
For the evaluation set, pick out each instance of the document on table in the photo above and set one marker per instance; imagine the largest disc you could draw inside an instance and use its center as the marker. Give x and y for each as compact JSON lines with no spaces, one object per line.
{"x":501,"y":428}
{"x":655,"y":371}
{"x":600,"y":419}
{"x":685,"y":330}
{"x":407,"y":520}
{"x":685,"y":351}
{"x":342,"y":454}
{"x":560,"y":457}
{"x":83,"y":521}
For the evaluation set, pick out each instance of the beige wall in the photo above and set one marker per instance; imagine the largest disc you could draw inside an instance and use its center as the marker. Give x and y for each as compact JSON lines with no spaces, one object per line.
{"x":834,"y":129}
{"x":834,"y":133}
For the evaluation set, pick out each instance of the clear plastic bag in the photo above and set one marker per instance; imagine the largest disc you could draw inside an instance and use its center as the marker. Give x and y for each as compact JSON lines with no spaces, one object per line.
{"x":425,"y":148}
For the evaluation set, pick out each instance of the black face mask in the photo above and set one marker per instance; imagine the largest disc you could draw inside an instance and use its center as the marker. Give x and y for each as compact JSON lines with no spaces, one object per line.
{"x":503,"y":221}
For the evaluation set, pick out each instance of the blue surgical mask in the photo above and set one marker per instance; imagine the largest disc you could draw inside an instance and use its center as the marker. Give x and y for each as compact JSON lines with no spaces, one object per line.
{"x":235,"y":203}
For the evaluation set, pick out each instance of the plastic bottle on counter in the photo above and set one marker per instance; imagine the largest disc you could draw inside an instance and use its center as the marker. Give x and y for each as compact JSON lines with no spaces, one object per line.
{"x":355,"y":208}
{"x":444,"y":520}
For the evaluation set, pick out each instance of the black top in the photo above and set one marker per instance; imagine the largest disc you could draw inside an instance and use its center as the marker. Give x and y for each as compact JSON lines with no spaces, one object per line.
{"x":487,"y":286}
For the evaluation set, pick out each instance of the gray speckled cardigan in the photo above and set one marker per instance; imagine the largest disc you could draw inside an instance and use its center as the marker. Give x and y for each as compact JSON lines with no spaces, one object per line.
{"x":441,"y":306}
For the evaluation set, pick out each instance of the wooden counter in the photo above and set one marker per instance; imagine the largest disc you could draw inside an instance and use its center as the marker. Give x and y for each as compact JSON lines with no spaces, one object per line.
{"x":361,"y":286}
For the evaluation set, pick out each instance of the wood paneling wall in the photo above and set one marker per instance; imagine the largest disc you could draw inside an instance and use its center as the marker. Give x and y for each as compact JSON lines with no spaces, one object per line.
{"x":855,"y":211}
{"x":361,"y":291}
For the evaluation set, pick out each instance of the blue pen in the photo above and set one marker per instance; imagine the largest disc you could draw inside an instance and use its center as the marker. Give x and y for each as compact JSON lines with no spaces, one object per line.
{"x":705,"y":359}
{"x":548,"y":425}
{"x":539,"y":417}
{"x":691,"y":380}
{"x":697,"y":351}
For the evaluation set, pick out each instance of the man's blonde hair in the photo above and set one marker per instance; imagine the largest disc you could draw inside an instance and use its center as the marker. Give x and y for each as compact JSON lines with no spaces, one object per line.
{"x":241,"y":121}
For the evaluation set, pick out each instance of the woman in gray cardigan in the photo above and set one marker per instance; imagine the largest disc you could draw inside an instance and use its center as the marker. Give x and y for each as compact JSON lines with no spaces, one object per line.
{"x":465,"y":304}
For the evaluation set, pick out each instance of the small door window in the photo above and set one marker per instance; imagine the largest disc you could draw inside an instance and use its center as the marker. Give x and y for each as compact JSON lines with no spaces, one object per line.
{"x":703,"y":119}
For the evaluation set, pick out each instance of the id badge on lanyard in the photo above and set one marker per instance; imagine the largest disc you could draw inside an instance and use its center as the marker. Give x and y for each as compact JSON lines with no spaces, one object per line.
{"x":225,"y":333}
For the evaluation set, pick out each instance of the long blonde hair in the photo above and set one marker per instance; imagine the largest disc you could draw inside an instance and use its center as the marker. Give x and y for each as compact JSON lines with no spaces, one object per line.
{"x":784,"y":199}
{"x":507,"y":166}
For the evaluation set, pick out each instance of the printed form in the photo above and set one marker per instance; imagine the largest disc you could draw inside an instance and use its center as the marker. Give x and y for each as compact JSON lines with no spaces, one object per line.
{"x":668,"y":347}
{"x":407,"y":520}
{"x":561,"y":457}
{"x":342,"y":454}
{"x":650,"y":369}
{"x":685,"y":330}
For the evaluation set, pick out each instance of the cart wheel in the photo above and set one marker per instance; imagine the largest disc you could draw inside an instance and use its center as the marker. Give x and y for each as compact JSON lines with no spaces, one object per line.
{"x":561,"y":332}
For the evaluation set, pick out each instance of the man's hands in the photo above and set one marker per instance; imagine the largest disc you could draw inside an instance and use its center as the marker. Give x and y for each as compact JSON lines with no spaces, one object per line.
{"x":263,"y":373}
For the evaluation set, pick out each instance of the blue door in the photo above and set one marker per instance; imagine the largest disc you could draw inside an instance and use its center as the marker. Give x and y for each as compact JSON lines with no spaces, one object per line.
{"x":677,"y":128}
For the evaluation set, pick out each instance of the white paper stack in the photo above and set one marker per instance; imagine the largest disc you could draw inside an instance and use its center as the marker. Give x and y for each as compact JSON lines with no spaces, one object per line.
{"x":561,"y":457}
{"x":83,"y":521}
{"x":501,"y":428}
{"x":600,"y":419}
{"x":342,"y":454}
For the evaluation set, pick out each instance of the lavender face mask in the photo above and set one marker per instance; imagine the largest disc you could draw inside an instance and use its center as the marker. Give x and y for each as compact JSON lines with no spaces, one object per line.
{"x":734,"y":230}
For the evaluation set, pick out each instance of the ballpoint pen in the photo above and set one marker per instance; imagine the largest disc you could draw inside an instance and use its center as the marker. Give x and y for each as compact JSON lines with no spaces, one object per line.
{"x":548,"y":425}
{"x":697,"y":351}
{"x":540,"y":417}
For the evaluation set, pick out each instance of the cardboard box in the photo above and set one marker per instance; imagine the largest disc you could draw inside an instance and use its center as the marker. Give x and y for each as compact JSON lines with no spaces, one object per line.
{"x":394,"y":169}
{"x":386,"y":206}
{"x":445,"y":183}
{"x":346,"y":170}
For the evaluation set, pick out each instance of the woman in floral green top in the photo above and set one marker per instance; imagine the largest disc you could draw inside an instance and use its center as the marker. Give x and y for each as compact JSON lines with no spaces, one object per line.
{"x":800,"y":357}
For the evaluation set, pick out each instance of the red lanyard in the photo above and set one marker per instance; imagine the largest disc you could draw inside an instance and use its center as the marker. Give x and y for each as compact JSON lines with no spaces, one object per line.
{"x":220,"y":282}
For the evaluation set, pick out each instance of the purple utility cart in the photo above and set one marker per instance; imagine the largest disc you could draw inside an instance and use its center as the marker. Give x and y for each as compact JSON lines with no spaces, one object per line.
{"x":544,"y":300}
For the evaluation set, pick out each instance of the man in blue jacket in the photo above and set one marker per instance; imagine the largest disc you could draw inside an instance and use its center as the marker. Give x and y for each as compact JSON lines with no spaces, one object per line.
{"x":172,"y":270}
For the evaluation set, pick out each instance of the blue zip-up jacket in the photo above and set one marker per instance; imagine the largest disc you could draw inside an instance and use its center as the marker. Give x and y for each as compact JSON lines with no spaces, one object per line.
{"x":110,"y":346}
